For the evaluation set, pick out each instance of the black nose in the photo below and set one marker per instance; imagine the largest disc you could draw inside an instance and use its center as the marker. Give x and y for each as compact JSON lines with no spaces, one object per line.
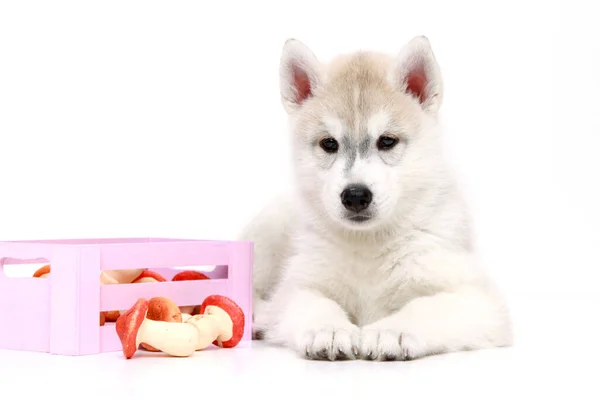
{"x":356,"y":197}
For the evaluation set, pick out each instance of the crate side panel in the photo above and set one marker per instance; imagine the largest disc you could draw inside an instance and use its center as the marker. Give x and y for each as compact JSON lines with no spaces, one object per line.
{"x":109,"y":341}
{"x":24,"y":314}
{"x":25,"y":253}
{"x":219,"y":272}
{"x":160,"y":255}
{"x":240,"y":278}
{"x":88,"y":299}
{"x":24,"y":301}
{"x":65,"y":309}
{"x":122,"y":297}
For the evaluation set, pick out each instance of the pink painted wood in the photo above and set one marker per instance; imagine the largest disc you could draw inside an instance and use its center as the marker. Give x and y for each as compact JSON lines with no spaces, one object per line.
{"x":60,"y":315}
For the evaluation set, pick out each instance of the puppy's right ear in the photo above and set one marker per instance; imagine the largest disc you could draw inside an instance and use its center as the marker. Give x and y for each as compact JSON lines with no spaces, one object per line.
{"x":299,"y":74}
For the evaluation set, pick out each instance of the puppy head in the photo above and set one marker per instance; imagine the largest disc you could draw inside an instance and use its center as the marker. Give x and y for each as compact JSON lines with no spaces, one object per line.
{"x":362,"y":130}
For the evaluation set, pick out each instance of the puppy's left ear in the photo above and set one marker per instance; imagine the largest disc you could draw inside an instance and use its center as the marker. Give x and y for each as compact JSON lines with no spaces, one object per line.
{"x":299,"y":74}
{"x":418,"y":74}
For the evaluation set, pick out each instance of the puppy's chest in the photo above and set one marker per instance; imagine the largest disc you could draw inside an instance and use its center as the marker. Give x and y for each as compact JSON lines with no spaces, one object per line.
{"x":369,"y":288}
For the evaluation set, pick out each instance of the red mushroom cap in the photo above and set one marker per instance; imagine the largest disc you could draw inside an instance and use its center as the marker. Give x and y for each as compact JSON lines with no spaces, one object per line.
{"x":42,"y":271}
{"x":163,"y":309}
{"x":189,"y":276}
{"x":235,"y":313}
{"x":128,"y":325}
{"x":149,"y":274}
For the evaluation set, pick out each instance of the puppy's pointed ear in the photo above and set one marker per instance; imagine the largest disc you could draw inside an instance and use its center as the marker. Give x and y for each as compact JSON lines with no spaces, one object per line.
{"x":417,"y":73}
{"x":299,"y":73}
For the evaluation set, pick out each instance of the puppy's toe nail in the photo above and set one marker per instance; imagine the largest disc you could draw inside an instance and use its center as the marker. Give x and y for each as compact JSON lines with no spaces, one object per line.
{"x":355,"y":351}
{"x":389,"y":357}
{"x":343,"y":355}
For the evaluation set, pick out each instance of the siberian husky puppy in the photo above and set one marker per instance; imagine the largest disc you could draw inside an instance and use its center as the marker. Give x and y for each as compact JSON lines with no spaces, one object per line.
{"x":371,"y":255}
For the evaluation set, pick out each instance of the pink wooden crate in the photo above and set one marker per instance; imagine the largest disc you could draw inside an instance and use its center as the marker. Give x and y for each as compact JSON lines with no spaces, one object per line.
{"x":60,"y":314}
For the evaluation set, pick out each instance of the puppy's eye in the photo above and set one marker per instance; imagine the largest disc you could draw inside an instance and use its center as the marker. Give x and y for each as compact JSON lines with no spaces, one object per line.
{"x":330,"y":145}
{"x":386,"y":142}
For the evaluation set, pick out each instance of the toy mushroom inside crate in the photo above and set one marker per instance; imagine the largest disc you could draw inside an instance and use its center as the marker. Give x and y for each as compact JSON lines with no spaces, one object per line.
{"x":135,"y":276}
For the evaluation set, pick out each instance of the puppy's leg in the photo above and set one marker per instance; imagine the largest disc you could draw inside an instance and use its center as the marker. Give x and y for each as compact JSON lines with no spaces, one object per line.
{"x":260,"y":314}
{"x":466,"y":319}
{"x":313,"y":325}
{"x":270,"y":232}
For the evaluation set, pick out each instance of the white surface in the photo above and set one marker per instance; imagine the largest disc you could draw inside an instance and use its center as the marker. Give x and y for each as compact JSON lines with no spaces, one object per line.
{"x":556,"y":356}
{"x":162,"y":118}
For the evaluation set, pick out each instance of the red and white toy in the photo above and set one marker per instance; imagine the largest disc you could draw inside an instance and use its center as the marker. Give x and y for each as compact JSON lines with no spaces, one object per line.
{"x":220,"y":322}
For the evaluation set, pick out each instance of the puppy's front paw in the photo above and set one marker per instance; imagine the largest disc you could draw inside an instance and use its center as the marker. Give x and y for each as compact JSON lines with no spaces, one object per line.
{"x":389,"y":345}
{"x":331,"y":342}
{"x":259,"y":319}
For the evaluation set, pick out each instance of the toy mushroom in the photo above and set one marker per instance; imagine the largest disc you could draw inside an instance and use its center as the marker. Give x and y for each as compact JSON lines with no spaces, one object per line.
{"x":162,"y":309}
{"x":148,"y":276}
{"x":221,"y":322}
{"x":189,"y":276}
{"x":112,"y":316}
{"x":42,"y":272}
{"x":185,"y":317}
{"x":225,"y":309}
{"x":119,"y":276}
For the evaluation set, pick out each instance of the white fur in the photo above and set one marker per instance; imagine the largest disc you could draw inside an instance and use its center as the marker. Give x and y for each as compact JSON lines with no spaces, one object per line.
{"x":406,"y":284}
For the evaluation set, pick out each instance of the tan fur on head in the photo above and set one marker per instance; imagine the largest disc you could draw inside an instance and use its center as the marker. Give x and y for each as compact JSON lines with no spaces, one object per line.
{"x":413,"y":72}
{"x":355,"y":99}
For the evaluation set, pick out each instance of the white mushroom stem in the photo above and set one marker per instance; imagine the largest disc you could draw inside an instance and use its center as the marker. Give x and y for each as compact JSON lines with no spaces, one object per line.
{"x":185,"y":317}
{"x":106,"y":279}
{"x":115,"y":277}
{"x":183,"y":339}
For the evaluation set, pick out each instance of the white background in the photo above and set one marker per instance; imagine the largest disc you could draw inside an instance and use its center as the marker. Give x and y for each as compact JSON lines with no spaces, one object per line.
{"x":122,"y":118}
